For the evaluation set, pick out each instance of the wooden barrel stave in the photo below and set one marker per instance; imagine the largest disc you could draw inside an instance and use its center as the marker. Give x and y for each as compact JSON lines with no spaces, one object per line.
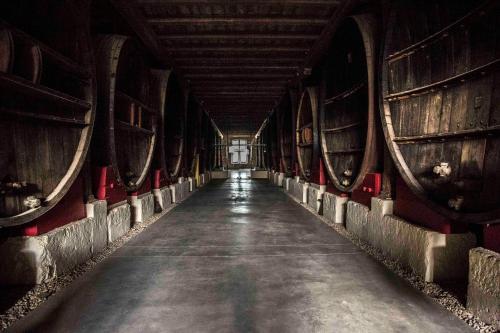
{"x":286,"y":133}
{"x":45,"y":129}
{"x":441,"y":109}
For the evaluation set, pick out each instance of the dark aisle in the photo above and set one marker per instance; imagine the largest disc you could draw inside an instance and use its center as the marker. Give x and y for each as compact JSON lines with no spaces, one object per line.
{"x":240,"y":256}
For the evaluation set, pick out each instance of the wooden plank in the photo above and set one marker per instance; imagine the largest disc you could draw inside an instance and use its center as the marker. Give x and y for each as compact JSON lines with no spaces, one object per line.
{"x":457,"y":79}
{"x":41,"y":116}
{"x":341,"y":128}
{"x":457,"y":135}
{"x":20,"y":85}
{"x":134,"y":129}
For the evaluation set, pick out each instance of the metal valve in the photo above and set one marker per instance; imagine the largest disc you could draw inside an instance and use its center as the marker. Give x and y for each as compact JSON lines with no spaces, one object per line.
{"x":348,"y":173}
{"x":346,"y":182}
{"x":456,"y":203}
{"x":443,"y":169}
{"x":32,"y":202}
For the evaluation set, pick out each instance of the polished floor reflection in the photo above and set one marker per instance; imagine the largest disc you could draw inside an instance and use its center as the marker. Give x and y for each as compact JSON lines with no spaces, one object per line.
{"x":240,"y":256}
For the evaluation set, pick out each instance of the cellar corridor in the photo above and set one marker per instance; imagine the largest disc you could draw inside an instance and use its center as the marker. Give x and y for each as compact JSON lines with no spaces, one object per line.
{"x":240,"y":256}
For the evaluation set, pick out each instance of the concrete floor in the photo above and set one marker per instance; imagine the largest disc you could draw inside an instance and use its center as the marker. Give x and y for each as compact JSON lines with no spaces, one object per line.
{"x":240,"y":256}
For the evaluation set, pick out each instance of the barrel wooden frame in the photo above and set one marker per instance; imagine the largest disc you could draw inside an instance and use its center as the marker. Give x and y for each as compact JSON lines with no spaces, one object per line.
{"x":193,"y":122}
{"x":366,"y":26}
{"x":57,"y":120}
{"x":110,"y":52}
{"x":273,"y":148}
{"x":168,"y":160}
{"x":309,"y":97}
{"x":444,"y":91}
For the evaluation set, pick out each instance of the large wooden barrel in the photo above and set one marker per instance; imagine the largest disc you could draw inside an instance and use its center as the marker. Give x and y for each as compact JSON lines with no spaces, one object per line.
{"x":273,"y":147}
{"x":169,"y":97}
{"x":286,"y":136}
{"x":440,"y":103}
{"x":347,"y":115}
{"x":47,"y":116}
{"x":193,"y":120}
{"x":126,"y":127}
{"x":307,"y":132}
{"x":206,"y":140}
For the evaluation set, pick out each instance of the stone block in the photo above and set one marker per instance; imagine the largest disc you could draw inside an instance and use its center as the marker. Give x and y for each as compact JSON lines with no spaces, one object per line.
{"x":25,"y":260}
{"x":36,"y":259}
{"x":357,"y":219}
{"x":220,"y":174}
{"x":334,"y":207}
{"x":163,"y":198}
{"x":296,"y":189}
{"x":315,"y":197}
{"x":483,"y":292}
{"x":432,"y":255}
{"x":259,"y":174}
{"x":98,"y":210}
{"x":119,"y":222}
{"x":379,"y":208}
{"x":180,"y":191}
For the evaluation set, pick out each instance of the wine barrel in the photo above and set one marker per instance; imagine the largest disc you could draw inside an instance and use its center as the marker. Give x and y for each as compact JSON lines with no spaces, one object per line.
{"x":440,"y":104}
{"x":47,"y":116}
{"x":285,"y":113}
{"x":306,"y":132}
{"x":273,"y":143}
{"x":167,"y":92}
{"x":126,"y":128}
{"x":206,"y":139}
{"x":347,"y":115}
{"x":193,"y":119}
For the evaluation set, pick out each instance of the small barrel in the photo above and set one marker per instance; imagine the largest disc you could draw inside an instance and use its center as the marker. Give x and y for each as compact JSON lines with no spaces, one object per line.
{"x":126,"y":121}
{"x":47,"y":116}
{"x":285,"y":116}
{"x":307,"y":132}
{"x":347,"y":115}
{"x":440,"y":103}
{"x":193,"y":119}
{"x":167,"y":92}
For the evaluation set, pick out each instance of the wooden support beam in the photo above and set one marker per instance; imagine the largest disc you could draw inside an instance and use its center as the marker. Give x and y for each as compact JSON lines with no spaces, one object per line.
{"x":231,"y":67}
{"x":237,"y":36}
{"x":242,"y":2}
{"x":278,"y":20}
{"x":249,"y":49}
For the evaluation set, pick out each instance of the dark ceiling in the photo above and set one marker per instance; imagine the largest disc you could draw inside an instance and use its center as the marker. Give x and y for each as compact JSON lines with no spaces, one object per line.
{"x":238,"y":56}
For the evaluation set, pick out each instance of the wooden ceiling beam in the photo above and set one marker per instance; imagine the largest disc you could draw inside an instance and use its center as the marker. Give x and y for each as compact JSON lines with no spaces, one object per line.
{"x":278,"y":20}
{"x":237,"y":36}
{"x":249,"y":49}
{"x":231,"y":67}
{"x":255,"y":59}
{"x":237,"y":2}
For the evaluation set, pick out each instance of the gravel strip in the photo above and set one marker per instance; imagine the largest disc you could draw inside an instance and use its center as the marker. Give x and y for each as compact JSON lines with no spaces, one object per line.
{"x":433,"y":290}
{"x":40,"y":293}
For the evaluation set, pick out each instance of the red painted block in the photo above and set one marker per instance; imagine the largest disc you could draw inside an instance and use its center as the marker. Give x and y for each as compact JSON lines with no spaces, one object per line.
{"x":409,"y":207}
{"x":106,"y":186}
{"x":370,"y":187}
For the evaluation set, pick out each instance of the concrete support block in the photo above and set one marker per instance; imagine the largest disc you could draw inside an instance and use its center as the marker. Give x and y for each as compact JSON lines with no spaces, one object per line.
{"x":297,"y":189}
{"x":191,"y":184}
{"x":25,"y":260}
{"x":142,"y":207}
{"x":357,"y":219}
{"x":315,"y":197}
{"x":36,"y":259}
{"x":180,"y":191}
{"x":163,"y":198}
{"x":220,"y":174}
{"x":276,"y":177}
{"x":334,"y":207}
{"x":259,"y":174}
{"x":483,"y":292}
{"x":286,"y":183}
{"x":305,"y":193}
{"x":119,"y":222}
{"x":430,"y":254}
{"x":375,"y":235}
{"x":202,"y":180}
{"x":281,"y":178}
{"x":98,"y":210}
